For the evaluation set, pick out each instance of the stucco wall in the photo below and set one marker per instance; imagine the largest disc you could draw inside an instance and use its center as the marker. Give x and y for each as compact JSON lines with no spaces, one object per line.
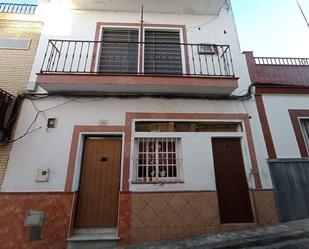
{"x":277,"y":106}
{"x":81,"y":25}
{"x":51,"y":148}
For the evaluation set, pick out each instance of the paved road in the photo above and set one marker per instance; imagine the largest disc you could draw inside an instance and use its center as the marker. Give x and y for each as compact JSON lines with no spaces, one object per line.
{"x":293,"y":235}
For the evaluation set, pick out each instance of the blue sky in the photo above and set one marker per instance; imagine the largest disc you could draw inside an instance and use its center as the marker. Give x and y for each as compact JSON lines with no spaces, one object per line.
{"x":267,"y":27}
{"x":272,"y":27}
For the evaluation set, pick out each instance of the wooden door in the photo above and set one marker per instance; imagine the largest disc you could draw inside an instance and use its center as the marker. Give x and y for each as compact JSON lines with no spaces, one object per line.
{"x":231,"y":182}
{"x":99,"y":183}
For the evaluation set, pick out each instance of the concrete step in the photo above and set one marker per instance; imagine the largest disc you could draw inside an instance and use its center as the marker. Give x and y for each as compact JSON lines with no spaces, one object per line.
{"x":93,"y":239}
{"x":82,"y":231}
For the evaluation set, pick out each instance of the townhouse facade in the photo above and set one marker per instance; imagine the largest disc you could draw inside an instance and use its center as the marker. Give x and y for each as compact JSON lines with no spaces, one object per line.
{"x":281,"y":93}
{"x":139,"y":125}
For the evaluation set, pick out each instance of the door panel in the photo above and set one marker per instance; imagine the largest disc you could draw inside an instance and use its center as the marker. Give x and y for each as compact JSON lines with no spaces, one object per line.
{"x":99,"y":183}
{"x":231,"y":182}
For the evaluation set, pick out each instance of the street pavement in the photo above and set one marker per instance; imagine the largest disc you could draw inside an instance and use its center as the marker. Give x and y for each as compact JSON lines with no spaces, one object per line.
{"x":292,"y":235}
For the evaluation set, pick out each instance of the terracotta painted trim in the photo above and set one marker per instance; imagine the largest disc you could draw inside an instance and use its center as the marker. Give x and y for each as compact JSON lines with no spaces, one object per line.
{"x":172,"y":192}
{"x":37,"y":193}
{"x":157,"y":182}
{"x":282,"y":90}
{"x":124,"y":218}
{"x":265,"y":127}
{"x":135,"y":80}
{"x":192,"y":116}
{"x":99,"y":26}
{"x":262,"y":190}
{"x":295,"y":115}
{"x":251,"y":65}
{"x":74,"y":146}
{"x":73,"y":214}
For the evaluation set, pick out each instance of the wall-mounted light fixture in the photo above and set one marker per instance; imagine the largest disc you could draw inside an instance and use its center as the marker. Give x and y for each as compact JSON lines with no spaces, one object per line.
{"x":51,"y":123}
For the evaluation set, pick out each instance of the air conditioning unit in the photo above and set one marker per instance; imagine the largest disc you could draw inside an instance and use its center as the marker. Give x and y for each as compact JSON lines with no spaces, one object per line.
{"x":207,"y":49}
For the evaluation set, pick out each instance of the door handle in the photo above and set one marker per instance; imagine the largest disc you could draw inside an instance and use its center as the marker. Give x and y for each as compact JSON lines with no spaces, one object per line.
{"x":104,"y":159}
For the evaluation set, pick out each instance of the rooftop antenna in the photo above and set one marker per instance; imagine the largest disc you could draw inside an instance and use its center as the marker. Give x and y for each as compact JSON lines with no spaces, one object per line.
{"x":303,"y":13}
{"x":142,"y":24}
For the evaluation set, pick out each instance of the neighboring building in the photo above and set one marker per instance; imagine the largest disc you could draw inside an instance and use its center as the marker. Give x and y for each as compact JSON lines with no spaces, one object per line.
{"x":282,"y":98}
{"x":19,"y":36}
{"x":136,"y":131}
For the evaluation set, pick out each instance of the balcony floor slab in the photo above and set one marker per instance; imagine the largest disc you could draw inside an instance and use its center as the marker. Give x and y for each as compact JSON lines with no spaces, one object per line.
{"x":137,"y":84}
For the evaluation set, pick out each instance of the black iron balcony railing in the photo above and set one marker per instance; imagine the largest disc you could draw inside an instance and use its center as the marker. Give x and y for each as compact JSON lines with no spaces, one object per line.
{"x":282,"y":61}
{"x":8,"y":113}
{"x":140,"y":58}
{"x":18,"y":8}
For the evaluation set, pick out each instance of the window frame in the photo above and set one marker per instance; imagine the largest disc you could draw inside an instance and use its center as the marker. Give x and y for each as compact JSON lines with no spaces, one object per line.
{"x":153,"y":27}
{"x":305,"y":133}
{"x":158,"y":179}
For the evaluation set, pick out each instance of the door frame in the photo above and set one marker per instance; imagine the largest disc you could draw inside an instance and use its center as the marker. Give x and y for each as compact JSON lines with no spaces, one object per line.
{"x":245,"y":154}
{"x":79,"y":163}
{"x":247,"y":167}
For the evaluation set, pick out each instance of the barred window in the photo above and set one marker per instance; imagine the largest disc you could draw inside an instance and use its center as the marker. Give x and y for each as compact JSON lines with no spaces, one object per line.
{"x":305,"y":128}
{"x":157,"y":159}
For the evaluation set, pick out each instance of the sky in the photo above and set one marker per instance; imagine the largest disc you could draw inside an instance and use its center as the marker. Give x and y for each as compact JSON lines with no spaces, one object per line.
{"x":272,"y":27}
{"x":267,"y":27}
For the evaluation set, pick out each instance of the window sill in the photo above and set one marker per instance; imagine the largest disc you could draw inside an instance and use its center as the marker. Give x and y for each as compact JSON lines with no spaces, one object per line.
{"x":158,"y":182}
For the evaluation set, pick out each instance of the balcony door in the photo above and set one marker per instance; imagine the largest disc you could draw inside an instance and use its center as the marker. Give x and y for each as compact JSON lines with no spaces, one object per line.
{"x":120,"y":48}
{"x":162,"y":52}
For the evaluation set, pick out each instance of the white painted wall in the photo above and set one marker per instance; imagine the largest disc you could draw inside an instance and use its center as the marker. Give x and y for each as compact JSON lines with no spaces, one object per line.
{"x":50,"y":149}
{"x":197,"y":164}
{"x":277,"y":106}
{"x":62,"y":23}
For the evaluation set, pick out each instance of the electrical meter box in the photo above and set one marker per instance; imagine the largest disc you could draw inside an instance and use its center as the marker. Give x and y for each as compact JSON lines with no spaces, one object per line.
{"x":35,"y":218}
{"x":42,"y":175}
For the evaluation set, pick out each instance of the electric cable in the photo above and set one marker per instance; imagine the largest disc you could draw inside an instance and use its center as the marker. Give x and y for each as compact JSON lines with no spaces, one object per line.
{"x":27,"y":132}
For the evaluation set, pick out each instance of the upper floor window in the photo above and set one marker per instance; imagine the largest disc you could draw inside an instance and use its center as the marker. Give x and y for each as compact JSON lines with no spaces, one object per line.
{"x":305,"y":129}
{"x":159,"y":53}
{"x":162,"y":52}
{"x":119,"y":50}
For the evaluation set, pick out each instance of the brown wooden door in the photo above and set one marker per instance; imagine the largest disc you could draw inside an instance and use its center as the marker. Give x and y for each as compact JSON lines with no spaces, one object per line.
{"x":99,"y":184}
{"x":231,"y":182}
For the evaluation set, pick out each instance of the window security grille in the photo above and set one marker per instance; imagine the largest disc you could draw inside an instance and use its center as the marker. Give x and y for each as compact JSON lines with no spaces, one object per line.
{"x":119,"y":51}
{"x":8,"y":113}
{"x":157,"y":159}
{"x":305,"y":129}
{"x":162,"y":52}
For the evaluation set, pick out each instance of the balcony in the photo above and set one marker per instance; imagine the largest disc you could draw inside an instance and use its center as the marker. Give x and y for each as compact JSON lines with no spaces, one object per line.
{"x":195,"y":7}
{"x":8,"y":114}
{"x":137,"y":68}
{"x":15,"y":8}
{"x":278,"y":71}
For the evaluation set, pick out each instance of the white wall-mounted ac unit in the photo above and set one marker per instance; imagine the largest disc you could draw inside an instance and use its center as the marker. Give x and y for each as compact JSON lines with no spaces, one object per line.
{"x":206,"y":49}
